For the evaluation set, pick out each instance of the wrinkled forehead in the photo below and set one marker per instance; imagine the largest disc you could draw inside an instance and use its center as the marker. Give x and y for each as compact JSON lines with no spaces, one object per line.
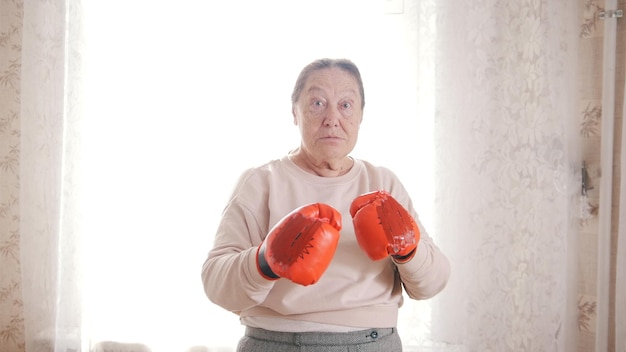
{"x":332,"y":80}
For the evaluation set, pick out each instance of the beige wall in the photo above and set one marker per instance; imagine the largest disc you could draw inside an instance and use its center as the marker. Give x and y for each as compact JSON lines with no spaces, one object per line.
{"x":591,"y":44}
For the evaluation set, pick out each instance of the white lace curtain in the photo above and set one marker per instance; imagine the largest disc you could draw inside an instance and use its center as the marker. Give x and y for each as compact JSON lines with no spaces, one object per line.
{"x":506,"y":127}
{"x":495,"y":101}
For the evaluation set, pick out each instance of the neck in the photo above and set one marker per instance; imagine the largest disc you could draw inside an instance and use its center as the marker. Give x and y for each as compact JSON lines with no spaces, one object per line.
{"x":323,"y":168}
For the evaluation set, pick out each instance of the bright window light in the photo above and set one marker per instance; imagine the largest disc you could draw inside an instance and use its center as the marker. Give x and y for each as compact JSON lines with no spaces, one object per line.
{"x":181,"y":98}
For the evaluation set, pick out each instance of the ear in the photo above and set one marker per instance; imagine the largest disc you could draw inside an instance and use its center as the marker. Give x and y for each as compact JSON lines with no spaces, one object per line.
{"x":293,"y":112}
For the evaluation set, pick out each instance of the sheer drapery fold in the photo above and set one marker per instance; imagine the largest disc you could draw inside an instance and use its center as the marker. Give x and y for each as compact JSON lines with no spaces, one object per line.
{"x":507,"y":165}
{"x":50,"y":245}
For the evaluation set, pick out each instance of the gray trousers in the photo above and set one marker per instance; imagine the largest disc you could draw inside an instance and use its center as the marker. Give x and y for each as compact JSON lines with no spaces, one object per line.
{"x":370,"y":340}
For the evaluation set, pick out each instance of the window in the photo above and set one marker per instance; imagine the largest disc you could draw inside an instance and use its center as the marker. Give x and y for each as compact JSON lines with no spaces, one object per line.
{"x":181,"y":98}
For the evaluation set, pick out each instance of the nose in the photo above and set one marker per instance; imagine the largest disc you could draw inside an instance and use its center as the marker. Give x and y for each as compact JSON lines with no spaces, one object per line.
{"x":332,"y":117}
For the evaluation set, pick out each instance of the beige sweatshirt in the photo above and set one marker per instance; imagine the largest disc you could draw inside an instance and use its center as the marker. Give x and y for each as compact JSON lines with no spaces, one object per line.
{"x":354,"y":292}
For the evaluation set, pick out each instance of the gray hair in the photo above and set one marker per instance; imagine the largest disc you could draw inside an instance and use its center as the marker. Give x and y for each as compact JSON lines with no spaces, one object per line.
{"x":344,"y":64}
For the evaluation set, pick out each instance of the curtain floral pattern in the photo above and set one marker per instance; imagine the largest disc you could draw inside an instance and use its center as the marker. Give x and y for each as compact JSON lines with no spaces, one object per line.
{"x":507,"y":165}
{"x":508,"y":122}
{"x":41,"y":289}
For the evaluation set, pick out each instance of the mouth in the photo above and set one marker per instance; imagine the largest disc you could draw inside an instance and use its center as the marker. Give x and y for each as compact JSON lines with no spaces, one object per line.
{"x":332,"y":140}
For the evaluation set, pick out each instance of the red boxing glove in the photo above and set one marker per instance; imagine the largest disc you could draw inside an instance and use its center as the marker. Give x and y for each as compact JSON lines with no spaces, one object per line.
{"x":301,"y":245}
{"x":383,"y":227}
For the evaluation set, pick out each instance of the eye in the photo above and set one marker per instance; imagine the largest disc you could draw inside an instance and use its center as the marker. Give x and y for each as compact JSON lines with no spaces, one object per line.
{"x":346,"y":105}
{"x":317,"y":106}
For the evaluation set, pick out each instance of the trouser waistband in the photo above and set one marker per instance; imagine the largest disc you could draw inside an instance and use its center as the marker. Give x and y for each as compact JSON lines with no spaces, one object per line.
{"x":320,"y":338}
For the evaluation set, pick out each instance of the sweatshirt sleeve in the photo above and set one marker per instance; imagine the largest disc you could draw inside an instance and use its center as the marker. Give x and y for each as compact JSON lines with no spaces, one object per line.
{"x":229,"y":274}
{"x":427,"y":273}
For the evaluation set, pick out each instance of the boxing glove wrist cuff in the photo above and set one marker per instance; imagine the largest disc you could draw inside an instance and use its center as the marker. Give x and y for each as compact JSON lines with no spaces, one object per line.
{"x":263,"y":266}
{"x":404,"y":258}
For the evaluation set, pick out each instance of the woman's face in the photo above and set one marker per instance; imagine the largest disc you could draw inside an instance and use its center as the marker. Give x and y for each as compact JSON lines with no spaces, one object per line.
{"x":328,"y":114}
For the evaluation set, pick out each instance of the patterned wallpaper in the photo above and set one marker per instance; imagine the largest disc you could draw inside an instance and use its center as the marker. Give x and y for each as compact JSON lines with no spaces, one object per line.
{"x":591,"y":44}
{"x":591,"y":58}
{"x":11,"y":318}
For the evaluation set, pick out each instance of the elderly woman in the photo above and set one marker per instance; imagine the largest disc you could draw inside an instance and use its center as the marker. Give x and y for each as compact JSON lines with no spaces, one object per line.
{"x":313,"y":249}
